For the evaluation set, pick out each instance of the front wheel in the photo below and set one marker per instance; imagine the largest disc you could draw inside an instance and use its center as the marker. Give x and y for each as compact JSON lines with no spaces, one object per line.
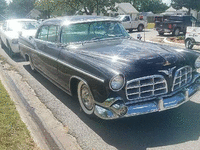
{"x":188,"y":44}
{"x":85,"y":98}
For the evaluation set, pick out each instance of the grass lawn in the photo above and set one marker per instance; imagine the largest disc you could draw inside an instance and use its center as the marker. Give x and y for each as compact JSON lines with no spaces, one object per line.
{"x":14,"y":134}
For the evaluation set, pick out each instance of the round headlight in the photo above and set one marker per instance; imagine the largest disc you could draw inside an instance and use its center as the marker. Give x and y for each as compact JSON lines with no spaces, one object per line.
{"x":117,"y":83}
{"x":197,"y":62}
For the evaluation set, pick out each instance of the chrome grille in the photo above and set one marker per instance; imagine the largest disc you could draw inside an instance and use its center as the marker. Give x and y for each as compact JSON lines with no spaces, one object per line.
{"x":182,"y":77}
{"x":146,"y":87}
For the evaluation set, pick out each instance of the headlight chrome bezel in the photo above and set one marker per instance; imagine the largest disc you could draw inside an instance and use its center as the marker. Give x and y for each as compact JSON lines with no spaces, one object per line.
{"x":122,"y":84}
{"x":197,"y":61}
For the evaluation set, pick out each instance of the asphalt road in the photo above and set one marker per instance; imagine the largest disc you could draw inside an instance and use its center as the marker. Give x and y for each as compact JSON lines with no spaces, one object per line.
{"x":172,"y":129}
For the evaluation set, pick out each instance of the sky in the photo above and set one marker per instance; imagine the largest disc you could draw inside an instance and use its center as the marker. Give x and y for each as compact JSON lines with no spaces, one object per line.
{"x":164,"y":1}
{"x":167,"y":1}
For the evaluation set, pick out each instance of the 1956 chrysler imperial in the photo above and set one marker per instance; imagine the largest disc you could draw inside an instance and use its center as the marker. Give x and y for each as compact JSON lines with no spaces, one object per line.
{"x":113,"y":75}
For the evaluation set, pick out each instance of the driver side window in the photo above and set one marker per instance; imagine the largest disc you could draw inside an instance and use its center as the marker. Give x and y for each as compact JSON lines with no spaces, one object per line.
{"x":127,"y":18}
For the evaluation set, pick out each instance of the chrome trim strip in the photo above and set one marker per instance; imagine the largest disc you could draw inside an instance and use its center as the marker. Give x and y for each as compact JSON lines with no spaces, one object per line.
{"x":80,"y":70}
{"x":68,"y":65}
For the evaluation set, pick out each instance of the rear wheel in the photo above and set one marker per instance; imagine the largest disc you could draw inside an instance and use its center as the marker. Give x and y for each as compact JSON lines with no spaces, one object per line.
{"x":188,"y":44}
{"x":161,"y":33}
{"x":130,"y":30}
{"x":140,"y":28}
{"x":176,"y":32}
{"x":2,"y":45}
{"x":10,"y":52}
{"x":85,"y":98}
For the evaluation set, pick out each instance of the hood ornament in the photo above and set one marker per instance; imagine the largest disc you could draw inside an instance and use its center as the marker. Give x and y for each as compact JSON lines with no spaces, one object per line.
{"x":168,"y":72}
{"x":167,"y":63}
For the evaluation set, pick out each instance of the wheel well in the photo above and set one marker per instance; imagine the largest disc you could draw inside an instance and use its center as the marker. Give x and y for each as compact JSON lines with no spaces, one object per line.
{"x":26,"y":57}
{"x":140,"y":25}
{"x":73,"y":86}
{"x":189,"y":39}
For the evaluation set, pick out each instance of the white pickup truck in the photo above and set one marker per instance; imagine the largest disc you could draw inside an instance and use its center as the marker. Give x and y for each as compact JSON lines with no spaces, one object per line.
{"x":130,"y":24}
{"x":192,"y":37}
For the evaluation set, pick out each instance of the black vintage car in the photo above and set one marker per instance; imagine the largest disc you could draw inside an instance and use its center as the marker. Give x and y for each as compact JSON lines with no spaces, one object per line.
{"x":113,"y":75}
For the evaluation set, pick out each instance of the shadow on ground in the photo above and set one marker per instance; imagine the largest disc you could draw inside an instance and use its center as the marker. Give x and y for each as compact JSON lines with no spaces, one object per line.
{"x":16,"y":57}
{"x":139,"y":133}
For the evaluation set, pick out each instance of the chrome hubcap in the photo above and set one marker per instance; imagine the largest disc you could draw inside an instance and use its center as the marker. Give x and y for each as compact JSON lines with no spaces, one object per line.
{"x":177,"y":32}
{"x":188,"y":44}
{"x":86,"y":97}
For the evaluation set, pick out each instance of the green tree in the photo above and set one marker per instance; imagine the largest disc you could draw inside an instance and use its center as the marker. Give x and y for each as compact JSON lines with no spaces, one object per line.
{"x":190,"y":4}
{"x":20,"y":8}
{"x":70,"y":7}
{"x":156,"y":6}
{"x":3,"y":7}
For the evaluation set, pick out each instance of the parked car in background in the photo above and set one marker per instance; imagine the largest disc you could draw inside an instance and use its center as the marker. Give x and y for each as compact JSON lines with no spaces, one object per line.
{"x":175,"y":24}
{"x":192,"y":37}
{"x":12,"y":29}
{"x":112,"y":74}
{"x":130,"y":24}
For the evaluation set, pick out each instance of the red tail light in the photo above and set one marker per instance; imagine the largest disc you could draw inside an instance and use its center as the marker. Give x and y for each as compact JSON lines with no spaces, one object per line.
{"x":170,"y":26}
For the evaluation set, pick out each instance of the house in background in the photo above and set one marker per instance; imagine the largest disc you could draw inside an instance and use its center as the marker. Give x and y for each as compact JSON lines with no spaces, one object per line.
{"x":33,"y":14}
{"x":149,"y":16}
{"x":123,"y":9}
{"x":170,"y":11}
{"x":182,"y":11}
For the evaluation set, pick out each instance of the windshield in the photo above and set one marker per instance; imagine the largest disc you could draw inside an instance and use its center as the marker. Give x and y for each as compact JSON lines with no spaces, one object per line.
{"x":92,"y":31}
{"x":22,"y":25}
{"x":120,"y":17}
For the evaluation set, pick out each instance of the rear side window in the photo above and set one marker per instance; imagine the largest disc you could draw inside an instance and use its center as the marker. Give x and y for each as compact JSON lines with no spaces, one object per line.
{"x":48,"y":33}
{"x":53,"y":34}
{"x":43,"y":33}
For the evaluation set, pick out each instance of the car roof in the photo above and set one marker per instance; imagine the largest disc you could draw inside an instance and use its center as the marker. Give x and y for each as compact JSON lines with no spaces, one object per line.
{"x":78,"y":19}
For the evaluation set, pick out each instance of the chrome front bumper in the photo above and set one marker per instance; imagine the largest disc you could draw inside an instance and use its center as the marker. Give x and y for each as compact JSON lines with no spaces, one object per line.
{"x":114,"y":108}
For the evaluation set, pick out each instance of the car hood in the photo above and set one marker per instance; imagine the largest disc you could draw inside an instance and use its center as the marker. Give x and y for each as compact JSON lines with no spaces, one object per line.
{"x":131,"y":57}
{"x":27,"y":33}
{"x":24,"y":33}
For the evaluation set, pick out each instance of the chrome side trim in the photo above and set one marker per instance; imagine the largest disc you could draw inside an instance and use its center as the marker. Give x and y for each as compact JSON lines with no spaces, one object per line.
{"x":80,"y":70}
{"x":67,"y":65}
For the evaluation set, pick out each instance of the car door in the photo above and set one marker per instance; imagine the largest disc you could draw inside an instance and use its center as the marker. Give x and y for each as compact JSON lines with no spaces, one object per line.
{"x":47,"y":50}
{"x":126,"y":22}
